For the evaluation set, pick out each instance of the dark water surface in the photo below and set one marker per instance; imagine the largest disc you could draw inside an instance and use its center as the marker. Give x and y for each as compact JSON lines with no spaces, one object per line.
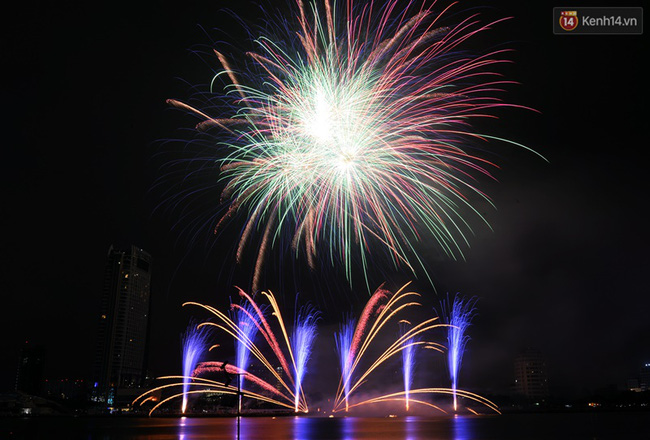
{"x":591,"y":426}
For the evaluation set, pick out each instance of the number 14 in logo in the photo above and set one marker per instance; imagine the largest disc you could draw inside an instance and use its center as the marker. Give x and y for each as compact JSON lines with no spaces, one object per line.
{"x":569,"y":20}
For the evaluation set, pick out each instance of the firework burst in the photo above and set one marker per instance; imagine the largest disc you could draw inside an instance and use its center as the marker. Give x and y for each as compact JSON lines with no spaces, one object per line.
{"x":354,"y":131}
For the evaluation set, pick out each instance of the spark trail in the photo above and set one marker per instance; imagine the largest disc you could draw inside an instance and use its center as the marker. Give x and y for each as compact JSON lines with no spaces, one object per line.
{"x":244,"y":316}
{"x":408,"y":362}
{"x":343,"y":339}
{"x":458,"y":314}
{"x":304,"y":333}
{"x":195,"y":343}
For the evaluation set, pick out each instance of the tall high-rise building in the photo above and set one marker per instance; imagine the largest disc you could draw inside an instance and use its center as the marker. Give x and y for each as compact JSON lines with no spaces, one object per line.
{"x":644,"y":377}
{"x":120,"y":360}
{"x":29,"y":374}
{"x":531,"y":378}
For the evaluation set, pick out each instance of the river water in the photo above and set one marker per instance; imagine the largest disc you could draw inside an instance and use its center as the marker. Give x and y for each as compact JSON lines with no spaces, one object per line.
{"x":547,"y":426}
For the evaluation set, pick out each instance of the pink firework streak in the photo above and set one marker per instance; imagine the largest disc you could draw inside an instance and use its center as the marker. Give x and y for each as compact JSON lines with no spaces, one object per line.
{"x":371,"y":309}
{"x":268,"y":334}
{"x":216,"y":367}
{"x":348,"y":344}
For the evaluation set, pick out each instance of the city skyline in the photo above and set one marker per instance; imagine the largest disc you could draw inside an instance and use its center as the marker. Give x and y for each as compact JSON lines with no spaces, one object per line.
{"x":562,"y":268}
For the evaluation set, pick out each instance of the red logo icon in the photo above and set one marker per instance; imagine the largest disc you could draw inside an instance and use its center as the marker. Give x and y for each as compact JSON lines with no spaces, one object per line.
{"x":569,"y":20}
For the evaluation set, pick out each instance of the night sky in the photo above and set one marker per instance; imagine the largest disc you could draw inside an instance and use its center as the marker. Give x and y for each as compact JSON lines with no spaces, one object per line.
{"x":563,"y":269}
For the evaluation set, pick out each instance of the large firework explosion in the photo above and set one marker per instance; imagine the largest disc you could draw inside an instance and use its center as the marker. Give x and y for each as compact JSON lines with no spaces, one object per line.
{"x":351,"y":133}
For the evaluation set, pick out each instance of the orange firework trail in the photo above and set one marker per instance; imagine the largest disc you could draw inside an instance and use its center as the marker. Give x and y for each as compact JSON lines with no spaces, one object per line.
{"x":206,"y":386}
{"x":401,"y":397}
